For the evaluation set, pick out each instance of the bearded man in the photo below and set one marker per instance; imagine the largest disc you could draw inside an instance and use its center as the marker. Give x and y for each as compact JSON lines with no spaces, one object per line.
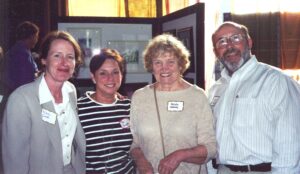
{"x":256,"y":109}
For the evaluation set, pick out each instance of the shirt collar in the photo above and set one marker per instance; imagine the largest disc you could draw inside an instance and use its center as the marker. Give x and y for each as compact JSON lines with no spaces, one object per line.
{"x":45,"y":94}
{"x":250,"y":64}
{"x":90,"y":93}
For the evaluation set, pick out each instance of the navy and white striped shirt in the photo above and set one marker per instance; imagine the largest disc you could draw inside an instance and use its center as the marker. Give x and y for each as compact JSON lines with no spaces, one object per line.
{"x":108,"y":136}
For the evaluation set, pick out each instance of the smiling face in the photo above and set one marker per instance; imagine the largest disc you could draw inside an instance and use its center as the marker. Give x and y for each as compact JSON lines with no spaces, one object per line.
{"x":232,"y":47}
{"x":60,"y":61}
{"x":166,"y":69}
{"x":108,"y":79}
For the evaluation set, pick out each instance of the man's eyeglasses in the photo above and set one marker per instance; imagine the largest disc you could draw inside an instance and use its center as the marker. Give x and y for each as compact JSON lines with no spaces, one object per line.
{"x":234,"y":39}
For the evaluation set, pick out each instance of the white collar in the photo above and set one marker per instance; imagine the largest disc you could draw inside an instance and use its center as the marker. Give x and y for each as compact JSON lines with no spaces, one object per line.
{"x":250,"y":64}
{"x":45,"y":94}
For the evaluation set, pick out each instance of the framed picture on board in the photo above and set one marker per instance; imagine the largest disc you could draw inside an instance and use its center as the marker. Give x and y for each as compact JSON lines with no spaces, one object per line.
{"x":89,"y":40}
{"x":185,"y":35}
{"x":129,"y":39}
{"x":131,"y":51}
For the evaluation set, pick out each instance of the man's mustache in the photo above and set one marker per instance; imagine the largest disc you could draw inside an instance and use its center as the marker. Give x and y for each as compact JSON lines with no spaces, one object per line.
{"x":230,"y":51}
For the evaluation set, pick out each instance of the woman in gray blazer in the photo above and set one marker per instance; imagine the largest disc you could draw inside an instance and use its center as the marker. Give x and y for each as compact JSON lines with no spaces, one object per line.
{"x":41,"y":130}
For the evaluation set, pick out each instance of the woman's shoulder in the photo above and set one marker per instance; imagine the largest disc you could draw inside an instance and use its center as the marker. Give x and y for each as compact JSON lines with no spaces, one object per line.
{"x":144,"y":90}
{"x":28,"y":88}
{"x":27,"y":93}
{"x":196,"y":92}
{"x":196,"y":88}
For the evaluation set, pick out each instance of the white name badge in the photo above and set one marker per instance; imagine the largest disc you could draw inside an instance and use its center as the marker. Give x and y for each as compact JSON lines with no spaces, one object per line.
{"x":175,"y":106}
{"x":48,"y":116}
{"x":214,"y":100}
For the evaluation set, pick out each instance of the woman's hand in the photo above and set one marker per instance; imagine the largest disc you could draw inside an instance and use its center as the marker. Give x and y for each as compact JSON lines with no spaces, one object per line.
{"x":170,"y":163}
{"x":142,"y":164}
{"x":145,"y":169}
{"x":195,"y":155}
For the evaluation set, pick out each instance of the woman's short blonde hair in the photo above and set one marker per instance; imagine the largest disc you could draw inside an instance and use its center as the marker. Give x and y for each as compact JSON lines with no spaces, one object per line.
{"x":166,"y":43}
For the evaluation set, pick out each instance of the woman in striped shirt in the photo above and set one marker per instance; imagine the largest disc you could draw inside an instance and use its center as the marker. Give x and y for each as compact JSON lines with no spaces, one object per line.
{"x":105,"y":118}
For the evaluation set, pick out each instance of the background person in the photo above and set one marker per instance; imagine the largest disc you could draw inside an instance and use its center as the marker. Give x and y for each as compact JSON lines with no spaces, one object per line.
{"x":20,"y":67}
{"x":105,"y":118}
{"x":171,"y":120}
{"x":2,"y":87}
{"x":256,"y":108}
{"x":1,"y":60}
{"x":41,"y":129}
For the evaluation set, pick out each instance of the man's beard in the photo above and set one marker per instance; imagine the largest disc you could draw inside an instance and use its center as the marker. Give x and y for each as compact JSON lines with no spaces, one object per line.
{"x":234,"y":66}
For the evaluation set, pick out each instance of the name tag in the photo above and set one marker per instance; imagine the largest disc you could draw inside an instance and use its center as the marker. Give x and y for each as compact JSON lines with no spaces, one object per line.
{"x":214,"y":101}
{"x":175,"y":106}
{"x":48,"y":116}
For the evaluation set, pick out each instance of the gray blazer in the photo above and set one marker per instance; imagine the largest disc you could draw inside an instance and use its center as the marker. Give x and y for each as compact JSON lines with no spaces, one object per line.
{"x":31,"y":145}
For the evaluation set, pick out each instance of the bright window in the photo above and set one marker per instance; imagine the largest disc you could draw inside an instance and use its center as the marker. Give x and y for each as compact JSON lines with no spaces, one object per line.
{"x":108,"y":8}
{"x":117,"y":8}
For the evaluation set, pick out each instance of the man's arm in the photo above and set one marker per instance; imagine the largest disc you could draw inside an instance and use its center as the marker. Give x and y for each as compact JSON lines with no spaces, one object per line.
{"x":286,"y":144}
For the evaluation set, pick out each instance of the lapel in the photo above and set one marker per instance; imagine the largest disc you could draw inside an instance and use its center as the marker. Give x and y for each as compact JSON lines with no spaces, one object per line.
{"x":53,"y":129}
